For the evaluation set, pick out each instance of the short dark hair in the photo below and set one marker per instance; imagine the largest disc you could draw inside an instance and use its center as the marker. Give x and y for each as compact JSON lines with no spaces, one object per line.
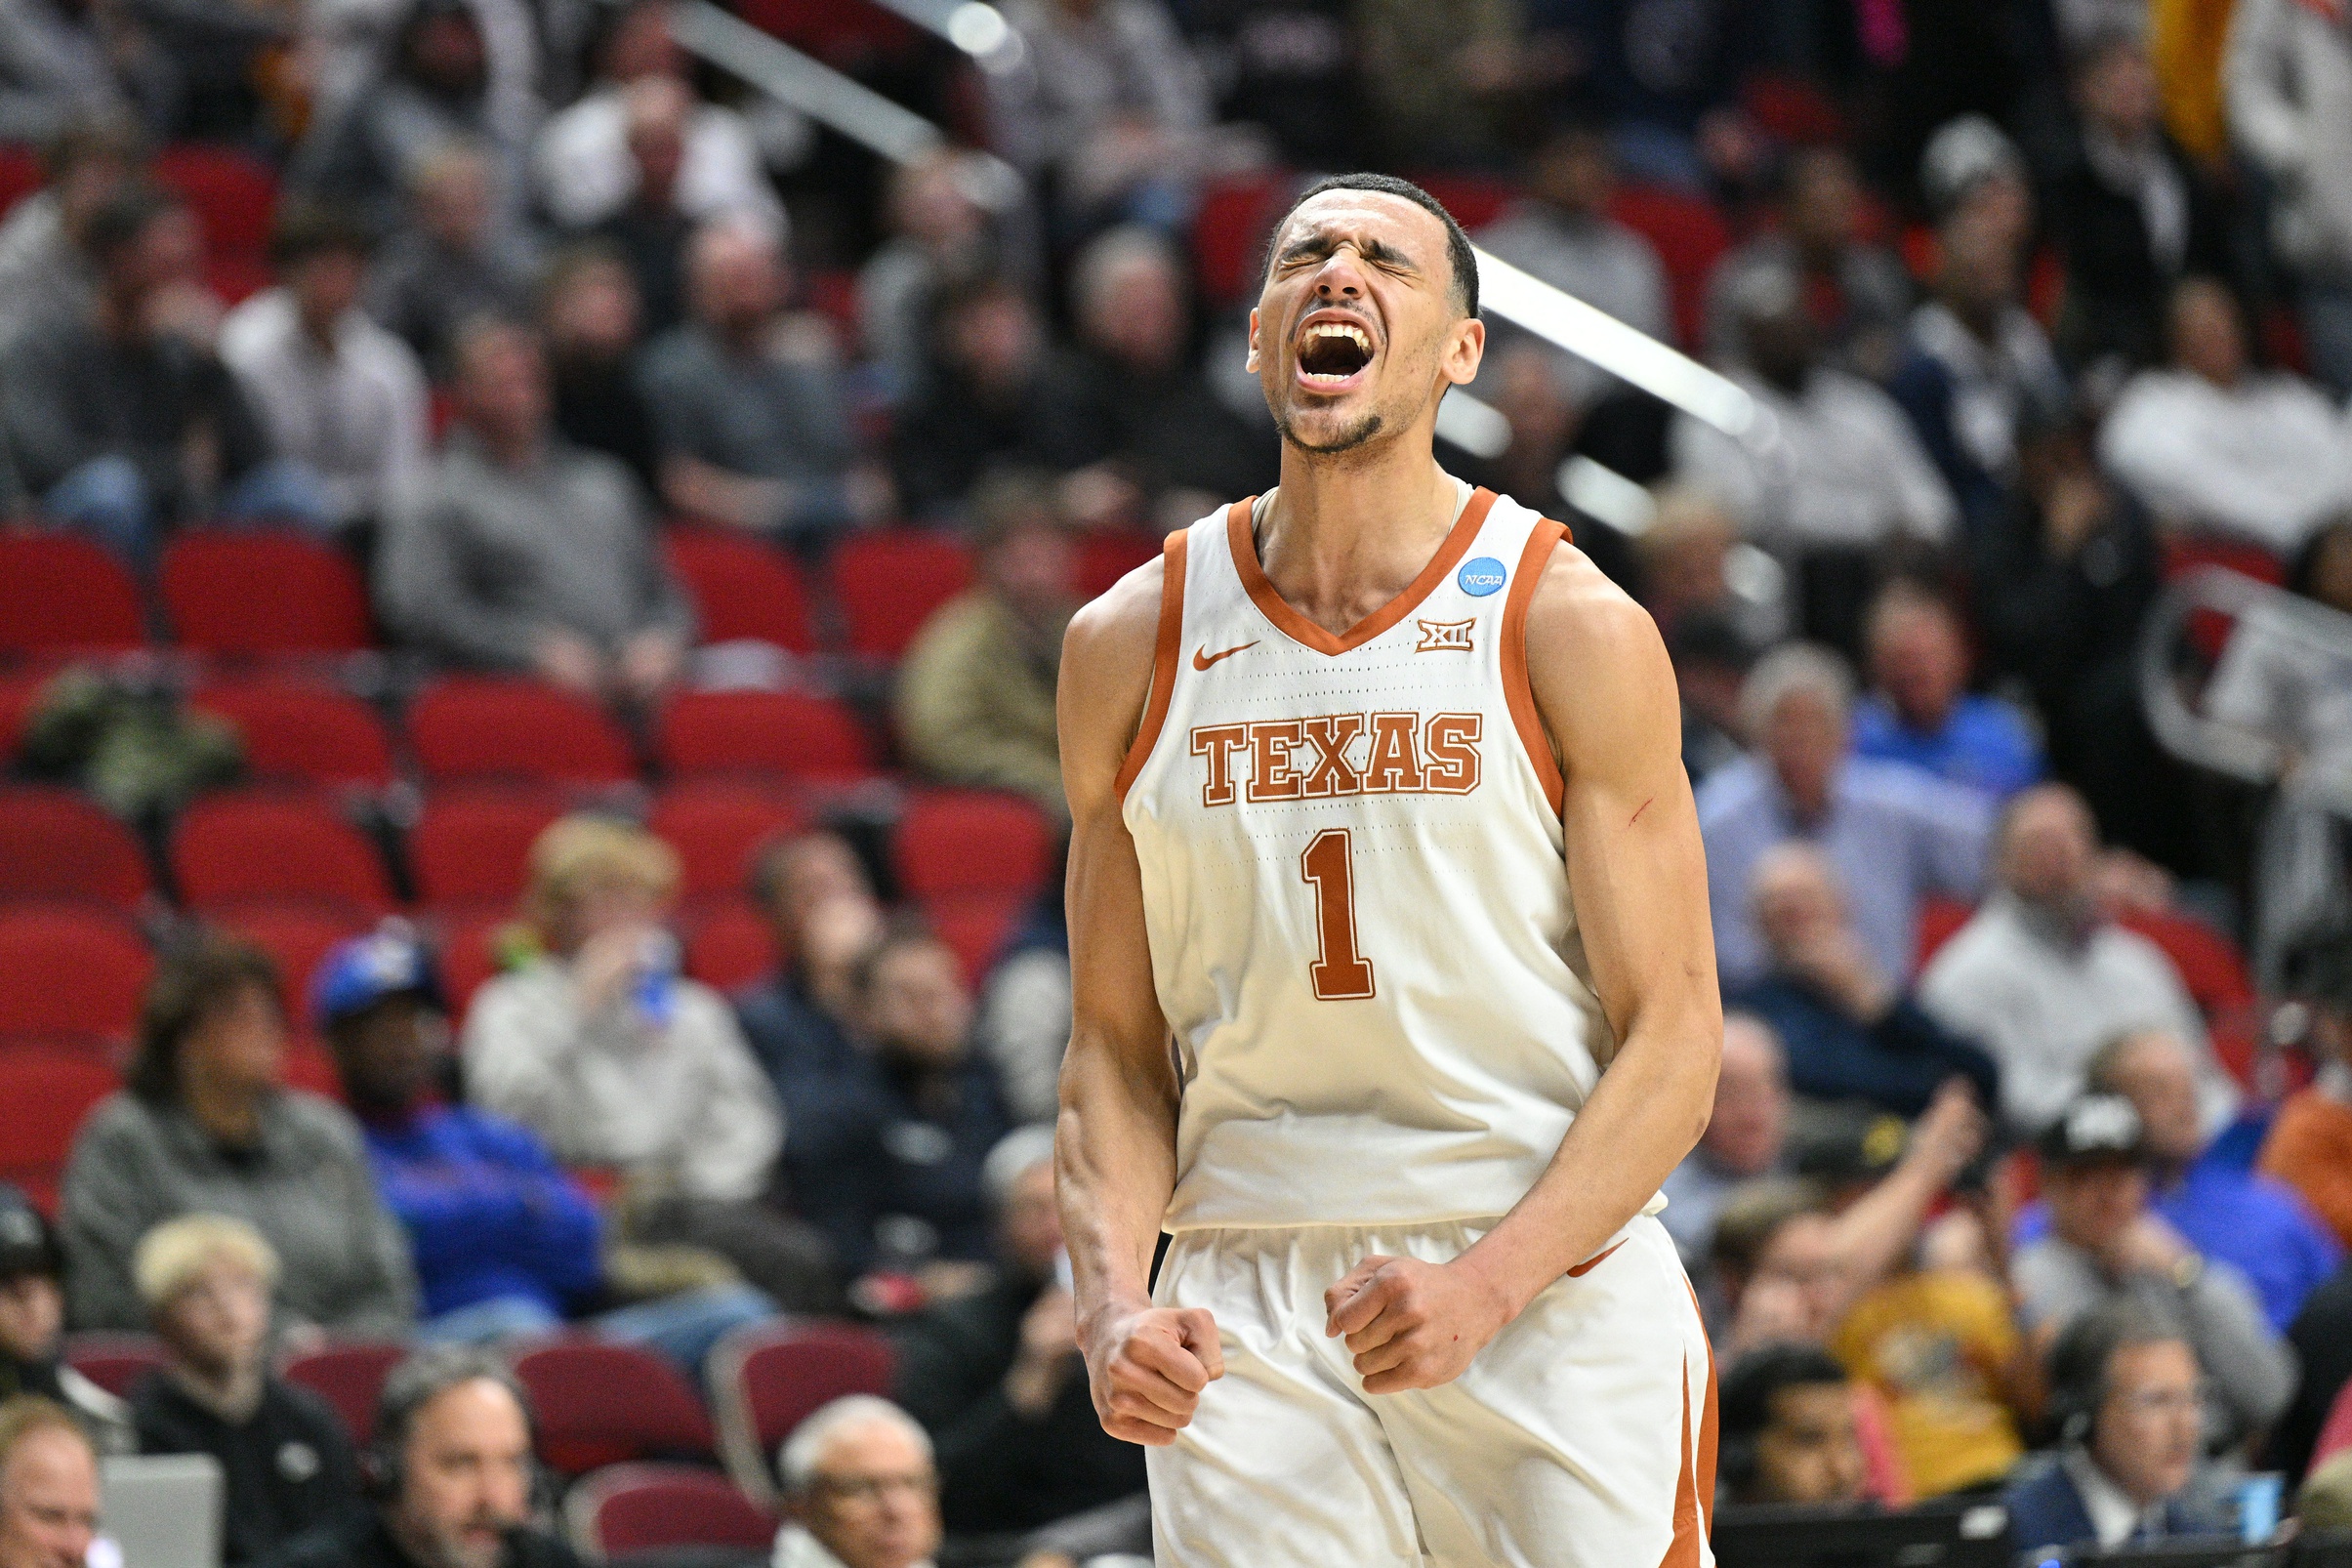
{"x":2079,"y":1362}
{"x":306,"y":229}
{"x":123,"y":216}
{"x":89,"y":137}
{"x":417,"y":1382}
{"x":1464,"y":259}
{"x":1744,"y":1403}
{"x":194,"y":979}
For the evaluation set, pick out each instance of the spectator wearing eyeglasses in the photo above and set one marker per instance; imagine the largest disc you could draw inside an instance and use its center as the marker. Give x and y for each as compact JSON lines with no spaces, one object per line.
{"x":860,"y":1488}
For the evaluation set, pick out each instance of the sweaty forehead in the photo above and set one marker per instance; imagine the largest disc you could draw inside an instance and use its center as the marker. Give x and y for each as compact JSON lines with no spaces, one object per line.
{"x":1370,"y":214}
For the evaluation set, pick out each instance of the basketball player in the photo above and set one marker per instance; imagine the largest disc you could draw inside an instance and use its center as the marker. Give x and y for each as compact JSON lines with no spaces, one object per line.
{"x":1394,"y":995}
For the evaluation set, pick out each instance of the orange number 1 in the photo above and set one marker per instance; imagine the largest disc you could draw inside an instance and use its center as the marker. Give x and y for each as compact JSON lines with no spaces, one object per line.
{"x":1340,"y":973}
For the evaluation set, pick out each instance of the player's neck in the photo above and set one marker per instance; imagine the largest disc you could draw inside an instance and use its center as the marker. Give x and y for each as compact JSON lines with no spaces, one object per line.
{"x":1341,"y":538}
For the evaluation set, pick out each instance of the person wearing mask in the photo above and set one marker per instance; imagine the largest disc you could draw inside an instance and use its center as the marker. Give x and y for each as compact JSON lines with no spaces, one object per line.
{"x":447,"y":263}
{"x":32,"y":1327}
{"x":1746,"y":1139}
{"x":600,"y":1048}
{"x":207,"y":1126}
{"x":451,"y":1476}
{"x":583,"y":599}
{"x":996,"y":1379}
{"x":49,"y":1496}
{"x":1849,"y":1031}
{"x":1920,"y":711}
{"x":860,"y":1489}
{"x":1854,"y":294}
{"x":2104,"y":1245}
{"x":1894,"y":834}
{"x":976,"y":689}
{"x":288,"y":1467}
{"x":2124,"y":1401}
{"x":1788,"y":1429}
{"x":2041,"y":978}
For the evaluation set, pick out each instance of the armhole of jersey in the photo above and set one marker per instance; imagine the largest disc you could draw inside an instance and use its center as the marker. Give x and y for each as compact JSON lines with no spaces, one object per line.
{"x":1517,"y":693}
{"x":1163,"y":660}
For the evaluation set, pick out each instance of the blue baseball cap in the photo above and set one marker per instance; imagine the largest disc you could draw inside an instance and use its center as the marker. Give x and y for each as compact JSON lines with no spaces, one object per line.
{"x":358,"y":973}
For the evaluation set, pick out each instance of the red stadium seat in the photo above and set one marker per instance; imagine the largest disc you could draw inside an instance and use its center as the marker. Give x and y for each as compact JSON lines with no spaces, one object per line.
{"x":467,"y":948}
{"x":21,"y":693}
{"x":298,"y":938}
{"x":1940,"y":920}
{"x":888,"y":584}
{"x":789,"y":734}
{"x":309,"y":1068}
{"x":469,"y":847}
{"x":839,"y":32}
{"x":48,"y":1090}
{"x":275,"y":846}
{"x":262,"y":592}
{"x":767,"y":1378}
{"x":1690,"y":238}
{"x":305,"y":730}
{"x":975,"y":925}
{"x":481,"y":727}
{"x":350,"y":1377}
{"x":653,"y":1508}
{"x":234,"y":193}
{"x":1229,"y":233}
{"x":1105,"y":557}
{"x":19,"y":174}
{"x":600,"y":1403}
{"x":56,"y":845}
{"x":113,"y":1361}
{"x":717,"y":825}
{"x":59,"y":594}
{"x":1474,"y":200}
{"x":741,"y":589}
{"x":728,"y":943}
{"x":69,"y":973}
{"x":952,"y":841}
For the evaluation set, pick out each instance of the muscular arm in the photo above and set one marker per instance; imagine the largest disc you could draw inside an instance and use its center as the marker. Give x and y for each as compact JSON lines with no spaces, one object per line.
{"x":1115,"y":1138}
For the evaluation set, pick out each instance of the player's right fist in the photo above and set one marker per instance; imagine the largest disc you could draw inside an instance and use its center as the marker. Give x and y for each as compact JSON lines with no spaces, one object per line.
{"x":1147,"y":1365}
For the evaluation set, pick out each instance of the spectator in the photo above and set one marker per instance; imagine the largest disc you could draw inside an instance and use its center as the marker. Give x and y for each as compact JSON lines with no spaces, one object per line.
{"x":996,"y":1379}
{"x":1105,"y":110}
{"x":2104,"y":1245}
{"x":1851,"y":293}
{"x":1689,"y":563}
{"x":507,"y":1243}
{"x":336,"y":393}
{"x":650,"y":230}
{"x":1517,"y":380}
{"x":1893,"y":834}
{"x":2254,"y":1224}
{"x":749,"y":435}
{"x":2309,"y":1146}
{"x":60,"y":62}
{"x":207,"y":1125}
{"x":822,"y":913}
{"x":32,"y":1323}
{"x":1972,"y":177}
{"x":582,"y":599}
{"x":1788,"y":1429}
{"x":1128,"y":398}
{"x":1849,"y":1030}
{"x":1712,"y":660}
{"x":2041,"y":978}
{"x":604,"y":1051}
{"x":2321,"y":1337}
{"x":583,"y":160}
{"x":976,"y":398}
{"x":47,"y":1486}
{"x":1746,"y":1139}
{"x":120,"y":419}
{"x":45,"y":269}
{"x":1920,"y":709}
{"x":943,"y":240}
{"x":2124,"y":1400}
{"x":447,"y":263}
{"x":1024,"y":1023}
{"x":1562,"y":233}
{"x":860,"y":1487}
{"x":206,"y":1281}
{"x":452,"y":1452}
{"x":903,"y":1190}
{"x":975,"y":690}
{"x":590,"y":312}
{"x":2211,"y":446}
{"x":2132,"y":214}
{"x":2281,"y":117}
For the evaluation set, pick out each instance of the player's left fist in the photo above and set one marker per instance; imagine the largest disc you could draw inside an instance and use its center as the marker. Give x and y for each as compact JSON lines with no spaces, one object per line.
{"x":1410,"y":1324}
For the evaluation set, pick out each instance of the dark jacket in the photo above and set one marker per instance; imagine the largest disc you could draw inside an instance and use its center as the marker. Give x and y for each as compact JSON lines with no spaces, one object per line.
{"x":1167,"y":432}
{"x":1897,"y":1063}
{"x":289,"y":1465}
{"x":362,"y":1542}
{"x":2116,"y":285}
{"x":2322,"y":1336}
{"x":2046,"y":1511}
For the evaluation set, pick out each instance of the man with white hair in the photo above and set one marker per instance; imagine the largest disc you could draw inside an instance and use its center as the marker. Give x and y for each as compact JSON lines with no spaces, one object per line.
{"x":1746,"y":1136}
{"x":47,"y":1486}
{"x":860,"y":1487}
{"x":1894,"y":834}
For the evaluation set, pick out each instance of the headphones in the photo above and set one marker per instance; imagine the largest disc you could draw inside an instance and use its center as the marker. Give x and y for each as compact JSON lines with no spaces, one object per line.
{"x":417,"y":1382}
{"x":2079,"y":1361}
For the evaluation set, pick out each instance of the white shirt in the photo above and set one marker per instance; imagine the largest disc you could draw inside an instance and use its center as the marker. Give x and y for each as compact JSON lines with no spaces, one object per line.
{"x":795,"y":1547}
{"x":356,"y":415}
{"x":2113,"y":1514}
{"x":584,"y":174}
{"x":2265,"y":460}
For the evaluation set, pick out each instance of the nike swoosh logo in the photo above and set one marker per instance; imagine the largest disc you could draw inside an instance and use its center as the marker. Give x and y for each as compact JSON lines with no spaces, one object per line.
{"x":1593,"y":1262}
{"x":1202,"y":658}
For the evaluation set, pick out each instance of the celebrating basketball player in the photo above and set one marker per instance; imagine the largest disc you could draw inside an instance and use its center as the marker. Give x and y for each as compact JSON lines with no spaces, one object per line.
{"x":1395,"y":1000}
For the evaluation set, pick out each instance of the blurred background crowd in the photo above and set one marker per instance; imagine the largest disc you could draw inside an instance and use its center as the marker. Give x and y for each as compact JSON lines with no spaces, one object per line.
{"x":529,"y":603}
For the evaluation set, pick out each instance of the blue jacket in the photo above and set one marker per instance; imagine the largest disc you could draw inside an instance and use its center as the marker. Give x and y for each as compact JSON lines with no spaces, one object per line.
{"x":1984,"y":744}
{"x":1897,"y":1063}
{"x":2046,"y":1511}
{"x":488,"y":1211}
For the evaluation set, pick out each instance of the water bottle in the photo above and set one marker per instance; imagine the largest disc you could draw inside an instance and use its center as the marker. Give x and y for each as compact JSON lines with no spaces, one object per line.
{"x":655,"y":991}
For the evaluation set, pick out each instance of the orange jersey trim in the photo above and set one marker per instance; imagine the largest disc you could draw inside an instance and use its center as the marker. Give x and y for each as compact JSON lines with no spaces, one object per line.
{"x":1517,"y":694}
{"x":1298,"y":629}
{"x":1164,"y":658}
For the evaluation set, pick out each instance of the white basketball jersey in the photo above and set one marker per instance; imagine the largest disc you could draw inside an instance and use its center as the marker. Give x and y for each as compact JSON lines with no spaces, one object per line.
{"x":1356,"y":890}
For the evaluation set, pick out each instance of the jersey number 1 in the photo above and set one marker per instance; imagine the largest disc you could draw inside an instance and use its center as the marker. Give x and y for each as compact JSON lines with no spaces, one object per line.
{"x":1340,"y":973}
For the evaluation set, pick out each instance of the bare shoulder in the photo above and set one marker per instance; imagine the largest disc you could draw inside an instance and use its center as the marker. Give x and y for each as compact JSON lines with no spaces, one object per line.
{"x":1106,"y":666}
{"x":1595,"y":661}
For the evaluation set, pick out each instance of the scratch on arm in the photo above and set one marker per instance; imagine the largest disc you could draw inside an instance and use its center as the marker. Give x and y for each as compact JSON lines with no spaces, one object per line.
{"x":1637,"y":810}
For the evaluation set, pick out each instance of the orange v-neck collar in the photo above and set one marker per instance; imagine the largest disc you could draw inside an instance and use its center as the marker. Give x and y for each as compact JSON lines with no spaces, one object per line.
{"x":1298,"y":629}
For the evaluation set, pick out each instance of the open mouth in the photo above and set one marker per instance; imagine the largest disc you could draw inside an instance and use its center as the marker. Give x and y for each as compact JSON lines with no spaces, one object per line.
{"x":1331,"y":354}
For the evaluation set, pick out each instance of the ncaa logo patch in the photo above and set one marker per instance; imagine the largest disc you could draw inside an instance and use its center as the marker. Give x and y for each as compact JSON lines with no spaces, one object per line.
{"x":1481,"y":577}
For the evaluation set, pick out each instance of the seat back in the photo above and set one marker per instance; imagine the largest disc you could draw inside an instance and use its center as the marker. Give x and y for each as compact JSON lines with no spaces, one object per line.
{"x":742,"y":590}
{"x":888,"y":585}
{"x":298,"y":938}
{"x":304,"y":731}
{"x":275,"y":846}
{"x":58,"y":844}
{"x":469,"y":847}
{"x":69,"y":973}
{"x":600,"y":1403}
{"x":957,"y":841}
{"x":730,"y":944}
{"x":767,"y":1378}
{"x":48,"y":1090}
{"x":113,"y":1361}
{"x":790,"y":734}
{"x":717,"y":825}
{"x":484,"y":727}
{"x":59,"y":594}
{"x":350,"y":1378}
{"x":262,"y":592}
{"x":652,"y":1507}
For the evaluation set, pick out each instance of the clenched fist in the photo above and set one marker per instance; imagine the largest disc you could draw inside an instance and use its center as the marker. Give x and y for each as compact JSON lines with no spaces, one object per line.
{"x":1410,"y":1324}
{"x":1147,"y":1365}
